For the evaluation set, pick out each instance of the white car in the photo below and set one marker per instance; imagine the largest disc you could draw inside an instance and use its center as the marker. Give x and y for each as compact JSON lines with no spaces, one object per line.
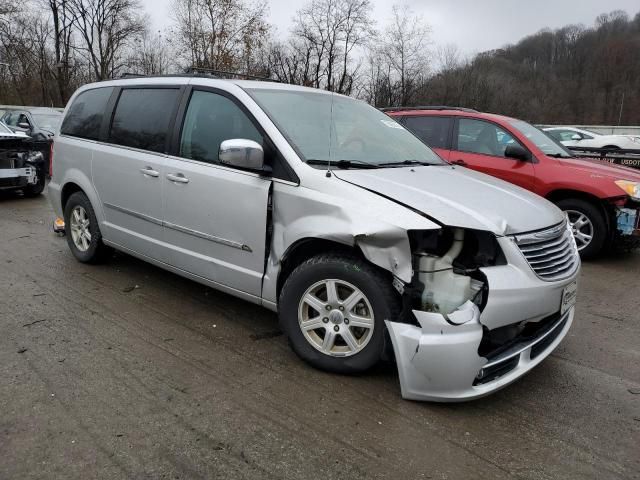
{"x":577,"y":137}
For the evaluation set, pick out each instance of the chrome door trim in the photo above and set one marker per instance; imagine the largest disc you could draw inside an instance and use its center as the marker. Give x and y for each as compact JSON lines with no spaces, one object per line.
{"x":206,"y":236}
{"x":133,"y":213}
{"x":178,"y":228}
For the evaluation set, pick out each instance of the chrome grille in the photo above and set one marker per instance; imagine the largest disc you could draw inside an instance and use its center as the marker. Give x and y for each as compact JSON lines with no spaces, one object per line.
{"x":551,"y":253}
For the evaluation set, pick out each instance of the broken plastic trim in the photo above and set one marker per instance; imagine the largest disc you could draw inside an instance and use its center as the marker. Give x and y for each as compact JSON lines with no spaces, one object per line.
{"x":439,"y":360}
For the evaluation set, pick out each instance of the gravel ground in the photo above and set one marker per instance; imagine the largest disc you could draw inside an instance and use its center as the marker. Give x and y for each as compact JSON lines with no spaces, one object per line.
{"x":126,"y":371}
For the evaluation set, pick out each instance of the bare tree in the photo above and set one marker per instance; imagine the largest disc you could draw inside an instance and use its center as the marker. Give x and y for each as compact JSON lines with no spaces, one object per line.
{"x":221,"y":34}
{"x":406,"y":49}
{"x":330,"y":33}
{"x":150,"y":54}
{"x":106,"y":28}
{"x":62,"y":37}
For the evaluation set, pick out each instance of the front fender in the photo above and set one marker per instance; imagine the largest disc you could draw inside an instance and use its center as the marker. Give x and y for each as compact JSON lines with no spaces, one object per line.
{"x":300,"y":213}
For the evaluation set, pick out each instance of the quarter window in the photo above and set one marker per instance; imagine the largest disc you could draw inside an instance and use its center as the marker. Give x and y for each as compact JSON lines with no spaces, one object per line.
{"x":211,"y":119}
{"x":142,"y":118}
{"x":477,"y":136}
{"x":434,"y":131}
{"x":85,"y":115}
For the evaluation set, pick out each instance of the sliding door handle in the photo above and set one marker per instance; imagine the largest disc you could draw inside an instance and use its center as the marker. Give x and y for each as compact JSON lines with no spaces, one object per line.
{"x":177,"y":178}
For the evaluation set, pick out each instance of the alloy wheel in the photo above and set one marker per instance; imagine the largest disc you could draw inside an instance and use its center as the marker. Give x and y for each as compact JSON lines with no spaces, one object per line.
{"x":80,"y":233}
{"x":336,"y":318}
{"x":581,"y":227}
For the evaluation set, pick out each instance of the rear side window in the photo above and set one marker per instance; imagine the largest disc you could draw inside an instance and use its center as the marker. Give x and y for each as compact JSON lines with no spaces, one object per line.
{"x":142,"y":118}
{"x":85,"y":115}
{"x":434,"y":131}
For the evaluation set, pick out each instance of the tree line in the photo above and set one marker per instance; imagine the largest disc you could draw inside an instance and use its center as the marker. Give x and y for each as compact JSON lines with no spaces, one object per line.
{"x":575,"y":74}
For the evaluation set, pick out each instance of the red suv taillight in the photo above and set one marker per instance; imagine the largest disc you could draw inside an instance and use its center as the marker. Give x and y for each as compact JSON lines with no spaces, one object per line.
{"x":51,"y":159}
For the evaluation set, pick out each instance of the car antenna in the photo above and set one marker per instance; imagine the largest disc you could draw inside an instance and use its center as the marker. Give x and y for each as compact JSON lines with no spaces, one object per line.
{"x":328,"y":174}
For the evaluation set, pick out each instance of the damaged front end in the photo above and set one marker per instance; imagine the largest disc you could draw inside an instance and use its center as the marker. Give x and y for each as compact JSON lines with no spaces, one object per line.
{"x":19,"y":165}
{"x":446,"y":349}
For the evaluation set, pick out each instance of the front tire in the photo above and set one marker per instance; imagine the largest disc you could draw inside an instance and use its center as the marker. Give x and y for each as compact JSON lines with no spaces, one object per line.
{"x":333,"y":307}
{"x":82,"y":230}
{"x":589,"y":225}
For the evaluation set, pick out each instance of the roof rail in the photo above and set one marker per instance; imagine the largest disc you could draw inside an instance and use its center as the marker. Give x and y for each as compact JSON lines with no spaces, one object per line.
{"x":225,"y":73}
{"x":202,"y":72}
{"x":429,"y":107}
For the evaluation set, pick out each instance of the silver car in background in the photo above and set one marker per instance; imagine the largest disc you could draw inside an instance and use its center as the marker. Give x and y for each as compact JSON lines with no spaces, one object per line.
{"x":323,"y":209}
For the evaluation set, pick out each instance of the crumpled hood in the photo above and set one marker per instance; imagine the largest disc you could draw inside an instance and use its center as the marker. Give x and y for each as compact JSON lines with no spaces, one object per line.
{"x":459,"y":197}
{"x":601,"y":168}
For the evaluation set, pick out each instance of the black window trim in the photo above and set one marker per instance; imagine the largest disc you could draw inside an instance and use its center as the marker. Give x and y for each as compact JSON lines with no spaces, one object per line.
{"x":456,"y":131}
{"x":451,"y":119}
{"x":180,"y":117}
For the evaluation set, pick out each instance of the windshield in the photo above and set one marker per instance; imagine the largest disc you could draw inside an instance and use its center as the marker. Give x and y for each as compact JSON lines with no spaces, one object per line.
{"x":4,"y":128}
{"x":542,"y":140}
{"x":327,"y":127}
{"x":47,"y":121}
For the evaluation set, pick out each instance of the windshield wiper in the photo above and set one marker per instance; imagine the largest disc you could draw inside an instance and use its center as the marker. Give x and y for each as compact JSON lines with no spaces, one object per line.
{"x":405,"y":162}
{"x":345,"y":164}
{"x":558,"y":155}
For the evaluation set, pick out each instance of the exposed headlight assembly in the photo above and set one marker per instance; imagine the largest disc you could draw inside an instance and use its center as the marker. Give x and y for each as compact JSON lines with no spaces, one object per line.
{"x":630,"y":188}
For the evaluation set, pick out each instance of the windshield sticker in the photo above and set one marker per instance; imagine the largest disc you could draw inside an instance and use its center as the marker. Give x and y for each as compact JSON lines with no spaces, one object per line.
{"x":392,"y":124}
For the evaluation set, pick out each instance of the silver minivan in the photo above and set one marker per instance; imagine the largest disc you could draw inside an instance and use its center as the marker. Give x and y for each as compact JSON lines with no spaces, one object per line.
{"x":325,"y":210}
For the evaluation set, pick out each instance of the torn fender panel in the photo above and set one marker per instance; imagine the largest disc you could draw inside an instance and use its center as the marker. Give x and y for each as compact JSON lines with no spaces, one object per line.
{"x":349,"y":216}
{"x":438,"y":361}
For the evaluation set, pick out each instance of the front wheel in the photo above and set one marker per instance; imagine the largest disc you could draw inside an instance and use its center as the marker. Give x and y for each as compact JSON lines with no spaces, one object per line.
{"x":333,"y":307}
{"x":588,"y":225}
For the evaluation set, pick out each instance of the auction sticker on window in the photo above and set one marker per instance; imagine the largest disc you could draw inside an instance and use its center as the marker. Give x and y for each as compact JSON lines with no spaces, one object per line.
{"x":392,"y":124}
{"x":569,"y":295}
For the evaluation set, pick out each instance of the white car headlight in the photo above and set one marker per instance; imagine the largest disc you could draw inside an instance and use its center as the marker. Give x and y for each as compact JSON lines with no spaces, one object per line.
{"x":635,"y":140}
{"x":630,"y":188}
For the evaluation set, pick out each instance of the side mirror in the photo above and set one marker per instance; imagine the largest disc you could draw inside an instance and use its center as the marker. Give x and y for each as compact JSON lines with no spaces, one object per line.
{"x":576,"y":137}
{"x":24,"y":125}
{"x":241,"y":153}
{"x":518,"y":152}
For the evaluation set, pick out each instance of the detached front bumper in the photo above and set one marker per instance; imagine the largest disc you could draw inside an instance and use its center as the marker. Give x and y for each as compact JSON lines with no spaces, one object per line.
{"x":439,"y":360}
{"x":18,"y":177}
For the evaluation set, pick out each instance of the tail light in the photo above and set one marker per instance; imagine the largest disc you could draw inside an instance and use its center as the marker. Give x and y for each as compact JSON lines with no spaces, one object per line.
{"x":51,"y":159}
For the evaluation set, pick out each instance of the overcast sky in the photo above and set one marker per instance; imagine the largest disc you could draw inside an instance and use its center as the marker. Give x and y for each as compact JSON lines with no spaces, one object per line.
{"x":473,"y":25}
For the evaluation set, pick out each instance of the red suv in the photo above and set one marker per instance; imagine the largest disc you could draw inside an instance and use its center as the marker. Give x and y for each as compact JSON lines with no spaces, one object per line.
{"x":601,"y":200}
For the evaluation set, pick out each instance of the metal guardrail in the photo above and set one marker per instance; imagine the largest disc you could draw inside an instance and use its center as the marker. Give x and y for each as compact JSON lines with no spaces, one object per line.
{"x":627,"y":158}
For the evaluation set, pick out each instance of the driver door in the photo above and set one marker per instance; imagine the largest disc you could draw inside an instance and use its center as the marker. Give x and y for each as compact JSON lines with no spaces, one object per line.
{"x":480,"y":145}
{"x":215,"y":216}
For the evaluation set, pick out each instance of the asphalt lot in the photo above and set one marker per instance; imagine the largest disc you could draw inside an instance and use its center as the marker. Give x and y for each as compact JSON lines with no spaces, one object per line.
{"x":125,"y":371}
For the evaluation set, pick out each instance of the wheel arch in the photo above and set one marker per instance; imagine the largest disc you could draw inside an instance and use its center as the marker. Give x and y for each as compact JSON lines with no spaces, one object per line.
{"x":605,"y":207}
{"x":309,"y":247}
{"x":69,"y":189}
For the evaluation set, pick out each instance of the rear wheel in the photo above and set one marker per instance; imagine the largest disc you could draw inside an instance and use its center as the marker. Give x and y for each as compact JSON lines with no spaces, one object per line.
{"x":83,"y":233}
{"x":332,"y":308}
{"x":588,"y":224}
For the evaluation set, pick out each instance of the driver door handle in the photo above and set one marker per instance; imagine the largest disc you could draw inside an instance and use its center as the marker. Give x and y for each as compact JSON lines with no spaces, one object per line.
{"x":150,"y":172}
{"x":177,"y":178}
{"x":462,"y":163}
